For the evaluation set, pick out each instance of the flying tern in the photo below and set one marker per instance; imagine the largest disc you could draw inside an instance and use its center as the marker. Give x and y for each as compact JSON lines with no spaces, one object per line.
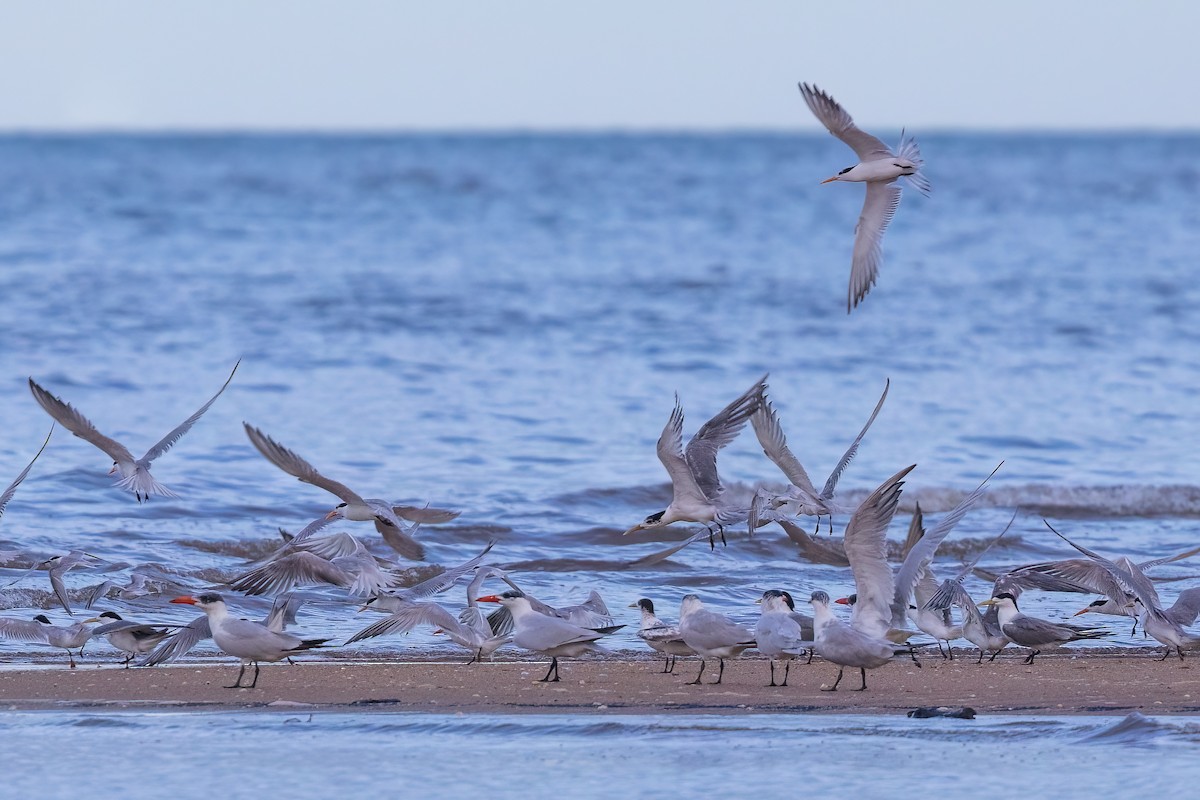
{"x":251,"y":642}
{"x":353,"y":506}
{"x":801,"y":495}
{"x":1131,"y":581}
{"x":134,"y":472}
{"x":697,"y":492}
{"x":879,"y":168}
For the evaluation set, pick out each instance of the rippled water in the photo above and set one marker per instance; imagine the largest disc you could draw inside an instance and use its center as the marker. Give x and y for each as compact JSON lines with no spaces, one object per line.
{"x":499,"y":323}
{"x":257,"y":754}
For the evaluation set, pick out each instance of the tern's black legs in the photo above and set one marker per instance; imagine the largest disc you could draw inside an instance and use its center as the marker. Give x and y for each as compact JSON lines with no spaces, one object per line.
{"x":787,"y":668}
{"x":698,"y":675}
{"x":669,"y":665}
{"x":864,"y":680}
{"x":772,"y":683}
{"x":836,"y":682}
{"x":552,"y":671}
{"x":1032,"y":653}
{"x":238,"y":683}
{"x":720,"y":529}
{"x":720,"y":674}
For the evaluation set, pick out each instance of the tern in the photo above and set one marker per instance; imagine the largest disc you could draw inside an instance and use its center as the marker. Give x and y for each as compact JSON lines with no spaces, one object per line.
{"x":132,"y":638}
{"x":470,"y":629}
{"x":354,"y":507}
{"x":660,"y":635}
{"x":56,"y":567}
{"x":1033,"y":632}
{"x":12,"y":487}
{"x":801,"y":494}
{"x":782,"y":633}
{"x":711,"y":635}
{"x":543,"y":634}
{"x":134,"y":472}
{"x":879,"y":168}
{"x":251,"y":642}
{"x":697,"y":492}
{"x":42,"y":631}
{"x":1087,"y":576}
{"x":882,"y":599}
{"x":282,"y":613}
{"x":846,"y":646}
{"x":1131,"y":581}
{"x":337,"y":560}
{"x":981,"y":630}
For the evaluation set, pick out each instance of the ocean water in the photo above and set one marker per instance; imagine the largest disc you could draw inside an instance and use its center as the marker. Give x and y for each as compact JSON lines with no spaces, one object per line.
{"x":202,"y":755}
{"x":500,"y":323}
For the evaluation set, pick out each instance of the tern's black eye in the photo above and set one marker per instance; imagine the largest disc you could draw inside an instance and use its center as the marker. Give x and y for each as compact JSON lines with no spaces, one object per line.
{"x":847,"y":169}
{"x":1097,"y":603}
{"x":653,"y":518}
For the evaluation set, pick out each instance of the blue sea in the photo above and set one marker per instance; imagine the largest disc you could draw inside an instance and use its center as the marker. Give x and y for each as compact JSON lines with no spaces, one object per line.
{"x":500,"y":324}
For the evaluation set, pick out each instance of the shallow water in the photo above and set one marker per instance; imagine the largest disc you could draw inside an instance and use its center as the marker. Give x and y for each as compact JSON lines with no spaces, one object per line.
{"x":545,"y":755}
{"x":499,"y":324}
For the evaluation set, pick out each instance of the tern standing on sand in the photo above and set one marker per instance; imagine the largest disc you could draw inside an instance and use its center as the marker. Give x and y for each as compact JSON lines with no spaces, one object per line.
{"x":550,"y":636}
{"x":879,"y":168}
{"x":711,"y":635}
{"x":249,"y":641}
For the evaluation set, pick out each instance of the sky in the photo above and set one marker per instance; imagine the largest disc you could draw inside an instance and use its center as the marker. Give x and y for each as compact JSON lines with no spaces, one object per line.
{"x":620,"y":64}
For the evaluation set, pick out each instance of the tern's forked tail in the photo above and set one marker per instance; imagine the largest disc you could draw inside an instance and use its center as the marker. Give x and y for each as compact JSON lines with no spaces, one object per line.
{"x":912,"y":152}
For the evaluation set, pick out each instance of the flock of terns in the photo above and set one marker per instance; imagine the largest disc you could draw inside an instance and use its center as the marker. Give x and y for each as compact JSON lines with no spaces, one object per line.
{"x":888,"y":607}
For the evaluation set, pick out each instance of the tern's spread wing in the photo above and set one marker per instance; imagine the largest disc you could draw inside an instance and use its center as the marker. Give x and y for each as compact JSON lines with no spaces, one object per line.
{"x":670,"y":453}
{"x":21,"y":630}
{"x":66,"y":415}
{"x":1145,"y":565}
{"x":297,"y":569}
{"x":878,"y":209}
{"x":701,"y":454}
{"x":171,"y":438}
{"x":921,"y":555}
{"x":832,"y":482}
{"x":866,"y":548}
{"x":1132,"y":581}
{"x":179,"y":643}
{"x":839,"y":123}
{"x":774,"y":444}
{"x":296,"y":466}
{"x":11,"y":490}
{"x":444,"y":580}
{"x":407,"y":618}
{"x":424,"y":514}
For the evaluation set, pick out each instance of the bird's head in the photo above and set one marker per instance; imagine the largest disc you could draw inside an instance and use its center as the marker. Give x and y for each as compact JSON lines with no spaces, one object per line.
{"x":111,"y":616}
{"x":1095,"y":605}
{"x":645,"y":604}
{"x":203,"y":601}
{"x":838,"y":177}
{"x":819,"y":598}
{"x":847,"y":601}
{"x":337,"y":511}
{"x":652,"y":521}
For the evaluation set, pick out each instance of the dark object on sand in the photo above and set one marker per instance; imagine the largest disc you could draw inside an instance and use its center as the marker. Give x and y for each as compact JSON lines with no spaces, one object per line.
{"x":957,"y":712}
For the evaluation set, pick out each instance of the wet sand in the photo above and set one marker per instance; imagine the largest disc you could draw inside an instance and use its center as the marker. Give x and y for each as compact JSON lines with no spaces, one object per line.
{"x":1093,"y":683}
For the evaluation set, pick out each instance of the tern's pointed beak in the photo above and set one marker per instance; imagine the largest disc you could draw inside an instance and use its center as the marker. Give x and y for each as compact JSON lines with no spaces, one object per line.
{"x":632,"y":605}
{"x":488,"y":598}
{"x":333,"y":514}
{"x":191,"y":601}
{"x":93,"y":619}
{"x":1083,"y":611}
{"x":830,"y":180}
{"x":844,"y":601}
{"x":634,"y":529}
{"x":989,"y":602}
{"x":758,"y":602}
